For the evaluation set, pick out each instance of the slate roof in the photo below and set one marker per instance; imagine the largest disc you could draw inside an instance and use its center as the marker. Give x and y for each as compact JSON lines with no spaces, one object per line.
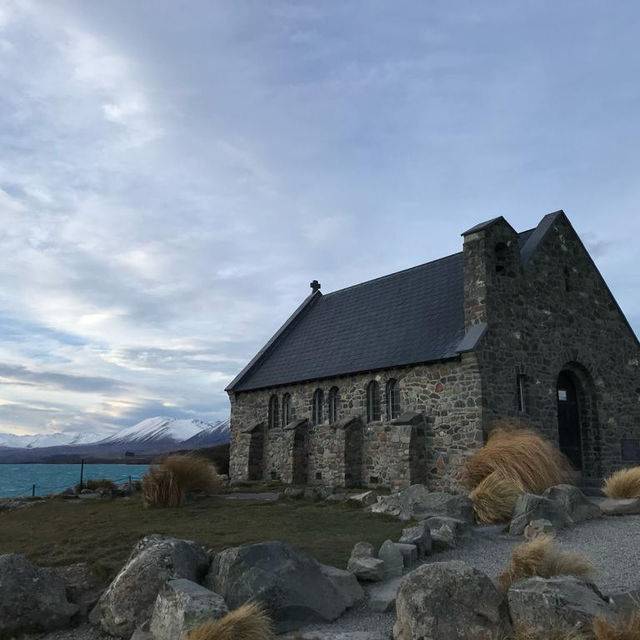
{"x":409,"y":317}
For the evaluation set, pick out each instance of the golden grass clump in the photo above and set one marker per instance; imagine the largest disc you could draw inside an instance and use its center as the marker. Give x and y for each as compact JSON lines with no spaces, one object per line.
{"x":627,"y":628}
{"x":524,"y":631}
{"x":623,"y":484}
{"x":521,"y":456}
{"x":248,"y":622}
{"x":494,"y":499}
{"x":541,"y":557}
{"x":166,"y":484}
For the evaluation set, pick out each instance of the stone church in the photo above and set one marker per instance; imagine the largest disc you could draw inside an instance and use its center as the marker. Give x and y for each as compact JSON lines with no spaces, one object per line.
{"x":395,"y":381}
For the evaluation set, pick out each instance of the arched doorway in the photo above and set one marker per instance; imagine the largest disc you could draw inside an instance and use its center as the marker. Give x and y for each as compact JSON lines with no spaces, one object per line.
{"x":569,"y":416}
{"x":299,"y":457}
{"x":256,"y":453}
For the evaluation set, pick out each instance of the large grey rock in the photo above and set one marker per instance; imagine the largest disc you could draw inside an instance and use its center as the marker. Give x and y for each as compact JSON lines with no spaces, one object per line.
{"x":549,"y":604}
{"x":335,"y":635}
{"x":287,"y":581}
{"x":577,"y":505}
{"x":364,"y":565}
{"x":409,"y":553}
{"x":129,"y":599}
{"x":392,"y":558}
{"x":417,"y":502}
{"x":420,"y":536}
{"x":183,"y":605}
{"x":449,"y":601}
{"x":382,"y":597}
{"x":446,"y":533}
{"x":365,"y":499}
{"x":82,"y":586}
{"x":531,"y":507}
{"x":31,"y":598}
{"x":346,"y":582}
{"x":618,"y":506}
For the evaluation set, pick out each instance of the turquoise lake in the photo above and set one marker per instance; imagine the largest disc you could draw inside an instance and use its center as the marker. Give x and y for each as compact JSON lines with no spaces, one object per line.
{"x":17,"y":480}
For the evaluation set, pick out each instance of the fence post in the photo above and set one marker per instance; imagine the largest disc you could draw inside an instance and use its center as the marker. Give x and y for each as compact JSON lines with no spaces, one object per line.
{"x":33,"y":491}
{"x":81,"y":473}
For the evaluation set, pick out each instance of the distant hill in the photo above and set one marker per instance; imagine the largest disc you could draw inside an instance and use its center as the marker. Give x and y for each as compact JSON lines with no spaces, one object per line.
{"x":151,"y":436}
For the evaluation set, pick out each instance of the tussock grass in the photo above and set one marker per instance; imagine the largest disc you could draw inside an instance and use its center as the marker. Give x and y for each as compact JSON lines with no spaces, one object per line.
{"x":627,"y":628}
{"x":521,"y":456}
{"x":494,"y":499}
{"x":623,"y":484}
{"x":248,"y":622}
{"x":167,"y":484}
{"x":541,"y":557}
{"x":524,"y":631}
{"x":97,"y":483}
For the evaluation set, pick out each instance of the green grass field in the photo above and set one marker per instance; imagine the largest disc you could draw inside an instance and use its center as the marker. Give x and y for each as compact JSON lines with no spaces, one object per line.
{"x":57,"y":532}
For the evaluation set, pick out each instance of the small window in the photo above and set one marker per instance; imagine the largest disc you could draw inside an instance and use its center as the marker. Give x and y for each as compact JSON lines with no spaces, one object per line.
{"x":318,"y":475}
{"x":286,"y":409}
{"x":393,"y":399}
{"x":318,"y":401}
{"x":522,"y":404}
{"x":373,"y":401}
{"x":501,"y":254}
{"x":273,"y":412}
{"x":333,"y":405}
{"x":567,"y":279}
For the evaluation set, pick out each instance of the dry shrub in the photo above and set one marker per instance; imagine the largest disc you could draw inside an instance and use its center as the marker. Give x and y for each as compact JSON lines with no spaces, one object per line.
{"x":248,"y":622}
{"x":98,"y":483}
{"x":623,"y":484}
{"x":521,"y":456}
{"x":167,"y":484}
{"x":627,"y":628}
{"x":494,"y":499}
{"x":541,"y":557}
{"x":524,"y":631}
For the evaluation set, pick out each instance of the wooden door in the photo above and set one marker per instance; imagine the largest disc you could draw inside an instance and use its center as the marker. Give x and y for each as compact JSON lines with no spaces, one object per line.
{"x":570,"y":439}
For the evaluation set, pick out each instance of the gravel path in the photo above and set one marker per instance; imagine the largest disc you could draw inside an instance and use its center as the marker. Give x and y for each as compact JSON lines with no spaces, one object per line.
{"x":612,"y":544}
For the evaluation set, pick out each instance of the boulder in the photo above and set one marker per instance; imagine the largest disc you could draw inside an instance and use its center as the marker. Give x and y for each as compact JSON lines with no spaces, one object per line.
{"x":183,"y":605}
{"x":531,"y":507}
{"x":618,"y":506}
{"x":392,"y":558}
{"x":82,"y":586}
{"x":336,"y":497}
{"x":446,"y":533}
{"x":365,"y":499}
{"x":287,"y":581}
{"x":449,"y":601}
{"x":420,"y":536}
{"x":417,"y":503}
{"x":345,"y":582}
{"x":364,"y":565}
{"x":129,"y":599}
{"x":549,"y":604}
{"x":382,"y":597}
{"x":335,"y":635}
{"x":409,"y":553}
{"x":625,"y":602}
{"x":577,"y":505}
{"x":140,"y":634}
{"x":538,"y":528}
{"x":318,"y":493}
{"x":31,"y":598}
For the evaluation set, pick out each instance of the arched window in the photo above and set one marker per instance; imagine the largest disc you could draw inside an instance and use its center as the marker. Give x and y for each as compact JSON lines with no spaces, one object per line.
{"x":373,"y":401}
{"x":393,"y":399}
{"x":333,"y":405}
{"x":286,"y":409}
{"x":501,"y":254}
{"x":273,"y":412}
{"x":318,"y":401}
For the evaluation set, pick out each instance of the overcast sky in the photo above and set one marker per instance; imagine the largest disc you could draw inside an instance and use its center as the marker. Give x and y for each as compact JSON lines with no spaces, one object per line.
{"x":173,"y":174}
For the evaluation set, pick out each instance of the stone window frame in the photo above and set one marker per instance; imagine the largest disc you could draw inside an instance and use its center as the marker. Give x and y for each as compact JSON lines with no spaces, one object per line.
{"x":334,"y":399}
{"x":273,"y":416}
{"x":501,"y":254}
{"x":318,"y":408}
{"x":286,"y":409}
{"x":392,"y":398}
{"x":521,"y":392}
{"x":373,"y":401}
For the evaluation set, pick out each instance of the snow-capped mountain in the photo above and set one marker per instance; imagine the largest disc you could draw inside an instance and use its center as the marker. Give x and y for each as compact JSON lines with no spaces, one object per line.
{"x":162,"y":429}
{"x":152,"y":431}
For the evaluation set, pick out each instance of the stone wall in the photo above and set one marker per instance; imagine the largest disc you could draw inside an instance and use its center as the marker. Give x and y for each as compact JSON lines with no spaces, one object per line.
{"x":447,"y":395}
{"x":556,"y":313}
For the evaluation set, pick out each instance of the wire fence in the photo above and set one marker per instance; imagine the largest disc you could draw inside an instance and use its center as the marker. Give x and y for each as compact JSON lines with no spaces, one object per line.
{"x":44,"y":489}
